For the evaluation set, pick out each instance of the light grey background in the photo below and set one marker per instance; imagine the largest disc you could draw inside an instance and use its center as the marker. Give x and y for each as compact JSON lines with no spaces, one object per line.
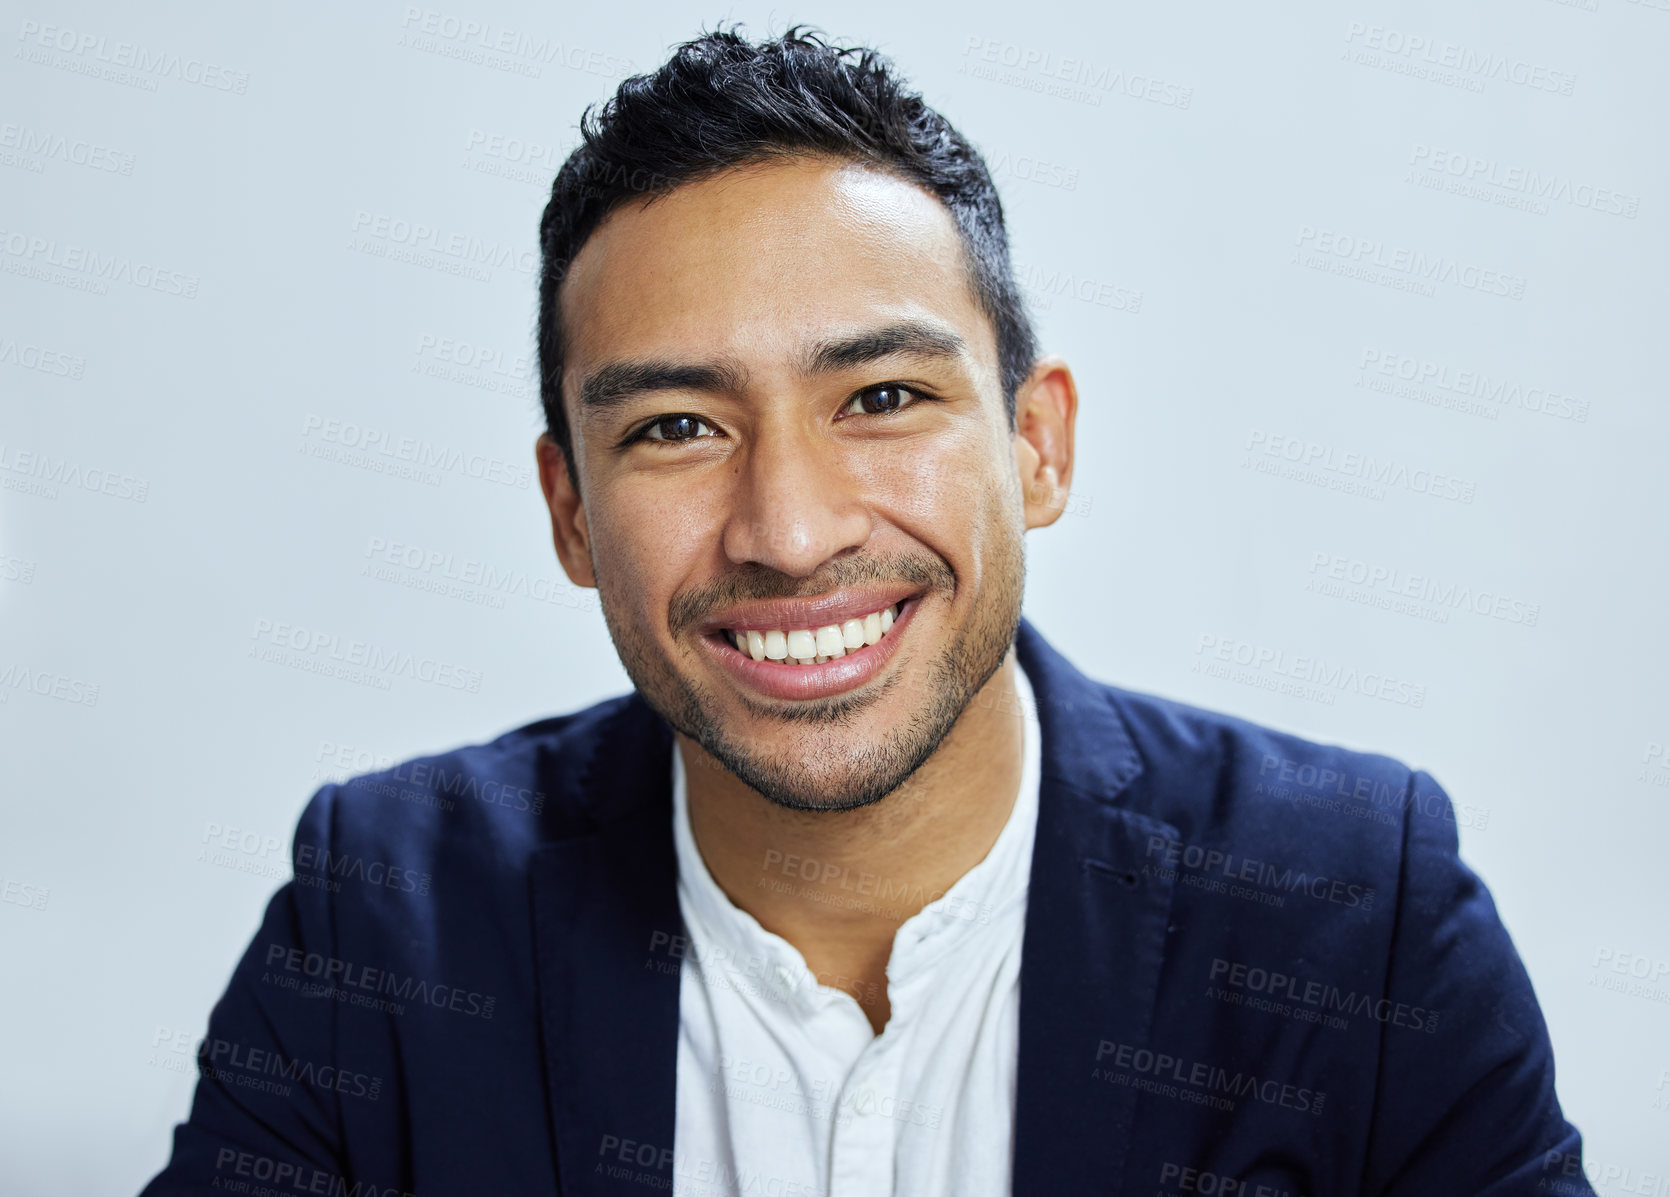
{"x":1187,"y":186}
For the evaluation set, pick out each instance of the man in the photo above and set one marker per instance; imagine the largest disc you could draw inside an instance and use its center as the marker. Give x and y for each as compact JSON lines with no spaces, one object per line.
{"x":864,"y":889}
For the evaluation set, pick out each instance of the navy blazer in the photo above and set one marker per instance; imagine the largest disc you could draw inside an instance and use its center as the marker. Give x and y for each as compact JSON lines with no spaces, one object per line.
{"x":1252,"y":966}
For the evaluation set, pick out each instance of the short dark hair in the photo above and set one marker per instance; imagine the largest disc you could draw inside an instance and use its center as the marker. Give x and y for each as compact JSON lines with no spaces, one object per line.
{"x":721,"y":102}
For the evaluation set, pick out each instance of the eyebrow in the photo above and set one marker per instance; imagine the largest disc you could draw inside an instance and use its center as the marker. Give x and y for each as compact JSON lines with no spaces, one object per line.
{"x":610,"y":386}
{"x":917,"y":338}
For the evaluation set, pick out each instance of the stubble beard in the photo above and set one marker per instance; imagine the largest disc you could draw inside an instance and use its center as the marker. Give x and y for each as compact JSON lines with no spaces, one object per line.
{"x":837,"y":777}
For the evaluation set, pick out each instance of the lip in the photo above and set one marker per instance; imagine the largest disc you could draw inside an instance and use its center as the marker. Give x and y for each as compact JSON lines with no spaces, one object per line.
{"x":777,"y":680}
{"x":788,"y":614}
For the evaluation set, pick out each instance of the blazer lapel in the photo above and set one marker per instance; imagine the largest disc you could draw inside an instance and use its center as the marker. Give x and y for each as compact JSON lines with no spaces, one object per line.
{"x":607,"y":932}
{"x":1094,"y":941}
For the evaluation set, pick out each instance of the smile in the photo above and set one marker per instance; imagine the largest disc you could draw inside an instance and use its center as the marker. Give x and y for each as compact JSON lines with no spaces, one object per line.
{"x":818,"y":659}
{"x":814,"y":646}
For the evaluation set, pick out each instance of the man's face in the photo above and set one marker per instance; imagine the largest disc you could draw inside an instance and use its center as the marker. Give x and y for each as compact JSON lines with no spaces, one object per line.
{"x":787,"y":415}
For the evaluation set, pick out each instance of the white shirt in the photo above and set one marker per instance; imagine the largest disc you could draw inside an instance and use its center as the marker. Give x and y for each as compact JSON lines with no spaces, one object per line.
{"x":783,"y":1088}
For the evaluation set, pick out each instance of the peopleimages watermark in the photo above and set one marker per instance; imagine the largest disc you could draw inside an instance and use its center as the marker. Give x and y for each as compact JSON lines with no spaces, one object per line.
{"x":1197,"y":1081}
{"x":1302,"y":460}
{"x":311,"y":974}
{"x":514,"y":51}
{"x":249,"y":1067}
{"x":381,"y":452}
{"x":55,"y":362}
{"x":352,"y":659}
{"x":1068,"y":76}
{"x":1633,"y":974}
{"x":418,"y":244}
{"x":1471,"y":392}
{"x":24,"y":893}
{"x":861,"y":890}
{"x":1373,"y":261}
{"x":1318,"y":678}
{"x":1442,"y":61}
{"x":243,"y":850}
{"x":821,"y":1097}
{"x":1041,"y":286}
{"x":451,"y":359}
{"x":82,"y":268}
{"x":1215,"y":870}
{"x":431,"y":778}
{"x":1304,"y":783}
{"x":1031,"y":169}
{"x":26,"y":471}
{"x":1191,"y":1180}
{"x":1291,"y":996}
{"x":95,"y":55}
{"x":31,"y":149}
{"x":420,"y":783}
{"x":756,"y":974}
{"x":514,"y":159}
{"x":47,"y":683}
{"x":17,"y":569}
{"x":317,"y":865}
{"x":283,"y":1176}
{"x":621,"y":1158}
{"x":1602,"y":1176}
{"x":1445,"y":596}
{"x":337,"y":763}
{"x":469,"y":579}
{"x":1488,"y":179}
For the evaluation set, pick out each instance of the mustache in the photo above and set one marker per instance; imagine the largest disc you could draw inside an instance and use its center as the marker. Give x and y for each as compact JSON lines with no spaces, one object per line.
{"x":755,"y":582}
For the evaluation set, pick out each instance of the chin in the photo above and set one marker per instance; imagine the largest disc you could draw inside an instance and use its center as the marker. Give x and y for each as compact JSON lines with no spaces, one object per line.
{"x":792,"y":788}
{"x":822,"y":766}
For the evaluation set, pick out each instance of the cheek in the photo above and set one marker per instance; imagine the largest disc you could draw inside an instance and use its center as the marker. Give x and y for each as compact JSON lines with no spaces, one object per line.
{"x":643,"y":546}
{"x":942,"y":491}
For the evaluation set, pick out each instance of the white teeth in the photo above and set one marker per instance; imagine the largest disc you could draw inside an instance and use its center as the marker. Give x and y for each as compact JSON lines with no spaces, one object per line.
{"x":829,"y":642}
{"x":814,"y":646}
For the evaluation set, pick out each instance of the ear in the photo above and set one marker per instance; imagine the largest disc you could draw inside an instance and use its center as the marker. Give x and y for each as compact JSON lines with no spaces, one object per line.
{"x":568,"y":514}
{"x":1046,"y":405}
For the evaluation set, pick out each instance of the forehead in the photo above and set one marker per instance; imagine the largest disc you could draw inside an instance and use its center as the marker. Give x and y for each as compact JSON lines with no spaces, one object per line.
{"x":756,"y":262}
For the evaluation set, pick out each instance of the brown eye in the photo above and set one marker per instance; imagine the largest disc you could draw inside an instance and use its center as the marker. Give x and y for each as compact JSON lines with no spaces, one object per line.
{"x":675,"y":429}
{"x":881,"y":400}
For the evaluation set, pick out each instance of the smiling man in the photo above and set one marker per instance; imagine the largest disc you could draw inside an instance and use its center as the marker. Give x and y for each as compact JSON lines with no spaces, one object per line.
{"x":864,"y":889}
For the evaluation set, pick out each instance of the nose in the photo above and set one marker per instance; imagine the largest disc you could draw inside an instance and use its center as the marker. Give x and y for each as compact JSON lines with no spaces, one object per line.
{"x":797,"y":504}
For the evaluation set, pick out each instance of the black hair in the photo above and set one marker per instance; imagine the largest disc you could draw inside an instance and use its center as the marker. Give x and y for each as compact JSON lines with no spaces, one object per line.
{"x":721,"y":102}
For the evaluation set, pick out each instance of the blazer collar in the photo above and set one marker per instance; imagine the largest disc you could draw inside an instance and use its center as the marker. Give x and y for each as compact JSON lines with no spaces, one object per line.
{"x":609,"y":941}
{"x":1096,"y":925}
{"x":608,"y":944}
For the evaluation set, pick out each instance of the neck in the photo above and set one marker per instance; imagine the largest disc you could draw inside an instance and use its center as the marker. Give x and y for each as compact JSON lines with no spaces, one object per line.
{"x":838,"y":884}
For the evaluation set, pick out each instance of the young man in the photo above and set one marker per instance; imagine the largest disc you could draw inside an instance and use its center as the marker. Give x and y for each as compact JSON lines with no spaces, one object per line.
{"x":865,"y":889}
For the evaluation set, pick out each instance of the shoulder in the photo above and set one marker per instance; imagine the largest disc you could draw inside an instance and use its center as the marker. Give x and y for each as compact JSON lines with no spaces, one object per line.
{"x":1284,"y":805}
{"x":501,"y":799}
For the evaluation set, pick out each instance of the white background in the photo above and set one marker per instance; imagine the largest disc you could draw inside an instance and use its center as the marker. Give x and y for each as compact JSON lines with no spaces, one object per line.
{"x":1168,"y":199}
